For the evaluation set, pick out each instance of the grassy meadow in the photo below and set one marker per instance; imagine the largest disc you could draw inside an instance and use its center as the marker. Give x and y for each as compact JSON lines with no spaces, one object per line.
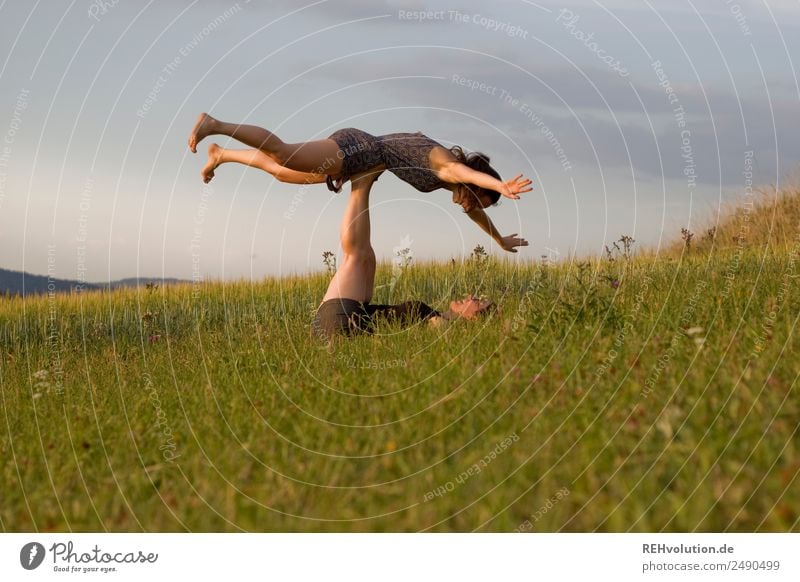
{"x":629,"y":392}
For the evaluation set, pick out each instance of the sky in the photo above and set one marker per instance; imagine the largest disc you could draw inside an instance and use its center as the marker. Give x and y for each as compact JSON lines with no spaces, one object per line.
{"x":635,"y":118}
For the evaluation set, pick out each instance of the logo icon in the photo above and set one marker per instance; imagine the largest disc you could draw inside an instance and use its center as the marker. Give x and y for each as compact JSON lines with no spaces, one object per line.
{"x":31,"y":555}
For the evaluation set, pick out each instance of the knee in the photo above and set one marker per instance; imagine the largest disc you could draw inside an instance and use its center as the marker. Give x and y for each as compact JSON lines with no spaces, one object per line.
{"x":280,"y":155}
{"x":361,"y":254}
{"x":357,"y":246}
{"x":279,"y":151}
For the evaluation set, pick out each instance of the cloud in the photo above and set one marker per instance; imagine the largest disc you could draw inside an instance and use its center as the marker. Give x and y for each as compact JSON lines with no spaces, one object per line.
{"x":349,"y":9}
{"x":593,"y":113}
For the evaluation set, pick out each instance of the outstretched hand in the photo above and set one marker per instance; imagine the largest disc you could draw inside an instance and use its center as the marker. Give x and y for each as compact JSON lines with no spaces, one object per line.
{"x":515,"y":186}
{"x":510,"y":242}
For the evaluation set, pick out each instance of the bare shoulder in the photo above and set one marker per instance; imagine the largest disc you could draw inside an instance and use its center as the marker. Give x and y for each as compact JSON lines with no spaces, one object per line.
{"x":440,"y":157}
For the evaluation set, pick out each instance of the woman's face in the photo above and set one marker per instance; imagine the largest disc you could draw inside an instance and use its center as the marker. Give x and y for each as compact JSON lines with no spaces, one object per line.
{"x":469,"y":307}
{"x":464,"y":197}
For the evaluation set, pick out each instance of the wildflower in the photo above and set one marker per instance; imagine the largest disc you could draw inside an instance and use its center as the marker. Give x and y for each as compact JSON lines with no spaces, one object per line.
{"x":154,"y":338}
{"x":687,"y":236}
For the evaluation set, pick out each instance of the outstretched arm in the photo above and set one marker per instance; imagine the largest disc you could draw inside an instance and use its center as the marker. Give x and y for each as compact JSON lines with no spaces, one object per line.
{"x":508,"y":243}
{"x":458,"y":173}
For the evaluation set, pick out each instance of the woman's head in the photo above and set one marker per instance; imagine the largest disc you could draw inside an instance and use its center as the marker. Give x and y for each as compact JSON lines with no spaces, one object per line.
{"x":469,"y":196}
{"x":471,"y":307}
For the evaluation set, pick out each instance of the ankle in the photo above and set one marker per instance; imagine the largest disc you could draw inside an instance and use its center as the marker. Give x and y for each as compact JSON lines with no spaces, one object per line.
{"x":217,"y":127}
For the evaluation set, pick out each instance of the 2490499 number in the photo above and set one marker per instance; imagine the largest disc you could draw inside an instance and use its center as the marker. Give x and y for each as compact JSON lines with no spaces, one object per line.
{"x":755,"y":565}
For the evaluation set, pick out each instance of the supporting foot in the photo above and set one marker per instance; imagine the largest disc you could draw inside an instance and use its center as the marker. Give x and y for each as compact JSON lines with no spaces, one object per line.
{"x":214,"y":160}
{"x":202,"y":128}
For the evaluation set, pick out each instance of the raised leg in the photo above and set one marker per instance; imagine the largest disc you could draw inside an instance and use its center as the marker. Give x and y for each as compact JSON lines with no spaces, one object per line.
{"x":319,"y":157}
{"x":255,"y":159}
{"x":355,"y":277}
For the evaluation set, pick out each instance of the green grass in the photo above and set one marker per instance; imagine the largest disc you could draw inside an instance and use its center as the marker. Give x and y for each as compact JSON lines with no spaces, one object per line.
{"x":760,"y":218}
{"x":641,"y":394}
{"x":602,"y":391}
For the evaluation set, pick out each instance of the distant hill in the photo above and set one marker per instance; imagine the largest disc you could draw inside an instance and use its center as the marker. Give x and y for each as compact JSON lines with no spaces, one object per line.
{"x":767,"y":218}
{"x":21,"y":283}
{"x":137,"y":281}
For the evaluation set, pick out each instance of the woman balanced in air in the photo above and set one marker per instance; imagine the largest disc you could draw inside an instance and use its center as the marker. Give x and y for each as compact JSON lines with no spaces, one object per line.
{"x":412,"y":157}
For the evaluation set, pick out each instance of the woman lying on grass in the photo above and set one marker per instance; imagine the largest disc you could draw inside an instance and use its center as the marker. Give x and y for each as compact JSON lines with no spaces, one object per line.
{"x":412,"y":157}
{"x":346,"y":308}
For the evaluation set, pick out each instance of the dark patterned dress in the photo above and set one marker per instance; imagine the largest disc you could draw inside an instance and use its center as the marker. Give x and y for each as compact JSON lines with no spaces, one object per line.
{"x":406,"y":155}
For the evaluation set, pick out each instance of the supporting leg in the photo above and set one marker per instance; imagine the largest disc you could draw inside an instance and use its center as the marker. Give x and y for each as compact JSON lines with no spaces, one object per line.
{"x":356,"y":276}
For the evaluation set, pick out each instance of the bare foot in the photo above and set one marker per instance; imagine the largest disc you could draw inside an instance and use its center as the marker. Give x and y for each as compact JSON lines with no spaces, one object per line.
{"x":214,"y":159}
{"x":202,"y":128}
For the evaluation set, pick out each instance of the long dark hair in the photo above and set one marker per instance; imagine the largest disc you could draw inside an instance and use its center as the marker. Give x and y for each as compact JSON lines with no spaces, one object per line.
{"x":480,"y":162}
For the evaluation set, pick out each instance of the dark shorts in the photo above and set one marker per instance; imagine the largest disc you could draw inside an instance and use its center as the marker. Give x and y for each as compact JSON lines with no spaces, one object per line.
{"x":340,"y":316}
{"x":348,"y":317}
{"x":359,"y":151}
{"x":406,"y":155}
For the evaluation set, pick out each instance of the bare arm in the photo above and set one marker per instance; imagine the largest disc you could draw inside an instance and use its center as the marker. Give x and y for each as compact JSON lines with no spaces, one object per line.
{"x":508,"y":243}
{"x":458,"y":173}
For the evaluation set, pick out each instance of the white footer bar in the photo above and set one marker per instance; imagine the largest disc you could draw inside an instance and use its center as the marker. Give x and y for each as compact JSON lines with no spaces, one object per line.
{"x":400,"y":557}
